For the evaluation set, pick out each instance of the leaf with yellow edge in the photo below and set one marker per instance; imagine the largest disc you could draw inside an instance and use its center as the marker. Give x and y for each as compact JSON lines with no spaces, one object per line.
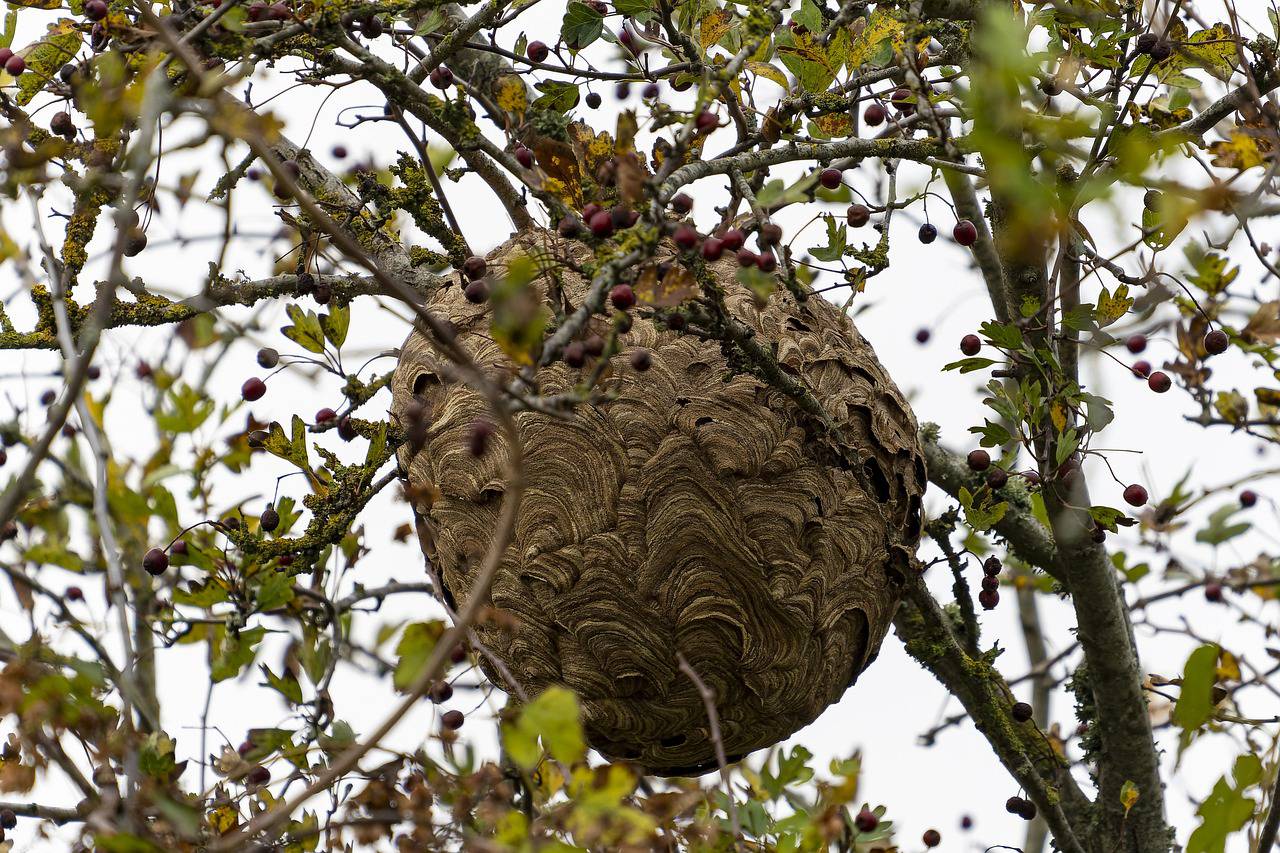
{"x":626,"y":133}
{"x":1128,"y":795}
{"x":713,"y":27}
{"x":1242,"y":151}
{"x":1232,"y":405}
{"x":511,"y":94}
{"x":59,"y":46}
{"x":768,"y":72}
{"x":1058,"y":413}
{"x":1228,"y":667}
{"x":674,"y":287}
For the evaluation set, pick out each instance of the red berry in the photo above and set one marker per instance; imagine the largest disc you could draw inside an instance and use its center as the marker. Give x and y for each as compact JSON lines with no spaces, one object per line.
{"x":928,"y":233}
{"x":590,"y":210}
{"x":1159,"y":382}
{"x":990,"y":582}
{"x":1136,"y":343}
{"x":706,"y":121}
{"x":733,"y":239}
{"x":875,"y":115}
{"x":770,"y":234}
{"x":830,"y":178}
{"x":979,"y":460}
{"x":95,"y":10}
{"x":478,"y":437}
{"x":1142,"y":369}
{"x":970,"y":345}
{"x":1021,"y":712}
{"x":965,"y":232}
{"x":858,"y":215}
{"x":1213,"y":592}
{"x":997,"y":478}
{"x":323,"y":416}
{"x":593,"y":100}
{"x":537,"y":51}
{"x":4,"y":456}
{"x":1216,"y":342}
{"x":902,"y":99}
{"x":568,"y":227}
{"x":712,"y":248}
{"x":155,"y":562}
{"x":73,"y":593}
{"x":441,"y":78}
{"x":524,"y":157}
{"x":476,"y":292}
{"x":179,"y":548}
{"x":866,"y":821}
{"x":622,"y":297}
{"x":746,"y":258}
{"x":268,"y":358}
{"x":6,"y":53}
{"x":16,"y":65}
{"x":682,"y":203}
{"x":766,"y":262}
{"x":253,"y":389}
{"x":931,"y":838}
{"x":601,"y":224}
{"x":259,"y":775}
{"x":989,"y":598}
{"x":440,"y":692}
{"x":452,"y":720}
{"x":574,"y":354}
{"x":1248,"y":498}
{"x":923,"y":336}
{"x":641,"y":360}
{"x":1135,"y":495}
{"x":685,"y":237}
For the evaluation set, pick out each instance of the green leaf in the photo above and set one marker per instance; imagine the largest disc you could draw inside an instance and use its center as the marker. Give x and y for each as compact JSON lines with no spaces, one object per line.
{"x":557,"y":96}
{"x":305,"y":331}
{"x":581,"y":26}
{"x":415,"y":646}
{"x":286,"y":685}
{"x":970,"y":364}
{"x":554,"y":718}
{"x":59,"y":46}
{"x":1219,"y":529}
{"x":292,"y":449}
{"x":335,"y":324}
{"x":275,"y":591}
{"x":1004,"y":335}
{"x":231,"y":653}
{"x":1097,"y":411}
{"x":837,"y":239}
{"x":1226,"y":810}
{"x":1194,"y":707}
{"x":185,"y":411}
{"x":984,"y":513}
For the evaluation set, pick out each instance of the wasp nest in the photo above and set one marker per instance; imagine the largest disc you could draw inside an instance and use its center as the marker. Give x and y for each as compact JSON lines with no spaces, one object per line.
{"x":700,"y":512}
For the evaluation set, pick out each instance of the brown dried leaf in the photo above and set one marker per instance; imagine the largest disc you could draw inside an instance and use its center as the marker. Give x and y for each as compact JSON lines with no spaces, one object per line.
{"x":675,"y":287}
{"x":560,"y":164}
{"x":1264,"y":325}
{"x":629,"y":178}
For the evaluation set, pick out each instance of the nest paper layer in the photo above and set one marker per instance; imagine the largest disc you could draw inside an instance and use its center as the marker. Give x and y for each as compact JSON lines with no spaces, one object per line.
{"x":693,"y":514}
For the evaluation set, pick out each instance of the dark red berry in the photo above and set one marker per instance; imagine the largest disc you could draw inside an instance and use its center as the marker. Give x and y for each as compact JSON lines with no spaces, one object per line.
{"x":966,"y":822}
{"x":441,"y":78}
{"x":622,"y":91}
{"x":95,"y":10}
{"x":73,"y":593}
{"x":997,"y":478}
{"x":1213,"y":592}
{"x":253,"y":389}
{"x":575,"y":354}
{"x":478,"y":437}
{"x":268,"y":358}
{"x":440,"y":692}
{"x":712,"y":248}
{"x":1216,"y":342}
{"x":346,"y":429}
{"x":989,"y":598}
{"x":1159,"y":382}
{"x":1136,"y":343}
{"x":47,"y":398}
{"x":970,"y":345}
{"x":866,"y":820}
{"x":875,"y":115}
{"x":622,"y":297}
{"x":1161,"y":50}
{"x":593,"y":100}
{"x":902,"y":100}
{"x":965,"y":233}
{"x":706,"y":121}
{"x":923,"y":336}
{"x":1248,"y":498}
{"x":682,"y":203}
{"x":858,"y":215}
{"x":155,"y":562}
{"x":979,"y":460}
{"x":641,"y":360}
{"x":685,"y":237}
{"x":1027,"y":810}
{"x":992,"y":566}
{"x":1141,"y":369}
{"x":601,"y":224}
{"x":524,"y":157}
{"x":452,"y":720}
{"x":990,"y":582}
{"x":94,"y":372}
{"x":259,"y":775}
{"x":15,"y":65}
{"x":569,"y":227}
{"x":323,"y":416}
{"x":458,"y":653}
{"x":1145,"y":42}
{"x":339,"y":152}
{"x":270,"y":519}
{"x":766,"y":262}
{"x":179,"y":548}
{"x":474,"y":267}
{"x":537,"y":51}
{"x":62,"y":124}
{"x":733,"y":239}
{"x":650,"y":91}
{"x":1135,"y":495}
{"x":770,"y":234}
{"x":931,"y":838}
{"x":1013,"y":805}
{"x":746,"y":258}
{"x":928,"y":233}
{"x":593,"y":346}
{"x":1021,"y":712}
{"x":4,"y":456}
{"x":830,"y":178}
{"x":476,"y":292}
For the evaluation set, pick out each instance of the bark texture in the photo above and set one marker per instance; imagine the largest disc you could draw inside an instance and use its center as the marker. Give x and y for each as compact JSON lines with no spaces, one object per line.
{"x":700,"y":511}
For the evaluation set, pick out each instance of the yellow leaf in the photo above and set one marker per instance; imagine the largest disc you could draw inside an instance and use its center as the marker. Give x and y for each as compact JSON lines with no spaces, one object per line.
{"x":1112,"y":306}
{"x":1058,"y":413}
{"x":1239,"y":152}
{"x":1228,"y":667}
{"x":511,"y":94}
{"x":1128,"y":795}
{"x":1232,"y":406}
{"x":768,"y":72}
{"x":714,"y":26}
